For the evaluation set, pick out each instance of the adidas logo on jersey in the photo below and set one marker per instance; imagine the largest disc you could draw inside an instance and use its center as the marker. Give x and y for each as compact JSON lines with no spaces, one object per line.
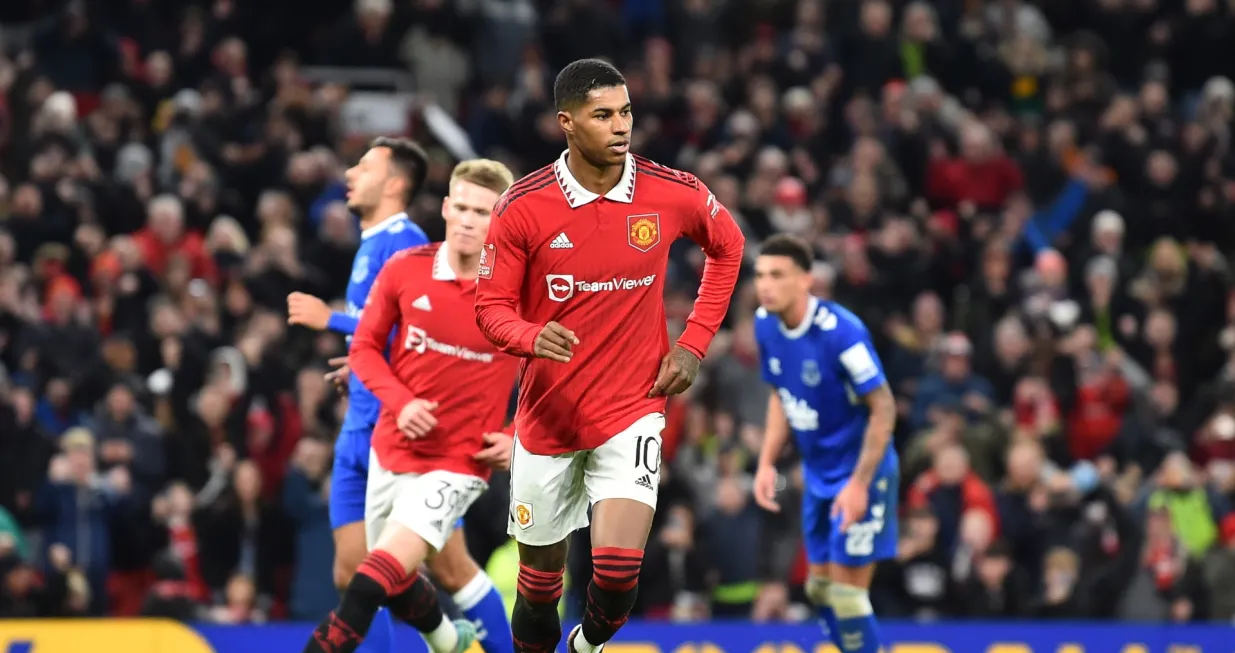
{"x":422,"y":303}
{"x":561,"y":242}
{"x":645,"y":481}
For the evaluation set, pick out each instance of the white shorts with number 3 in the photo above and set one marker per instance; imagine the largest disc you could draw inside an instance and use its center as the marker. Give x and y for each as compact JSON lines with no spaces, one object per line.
{"x":550,"y":495}
{"x":428,"y":504}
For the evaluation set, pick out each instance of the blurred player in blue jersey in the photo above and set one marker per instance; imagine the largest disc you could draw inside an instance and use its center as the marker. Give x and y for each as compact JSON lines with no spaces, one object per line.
{"x":829,"y":389}
{"x":380,"y":186}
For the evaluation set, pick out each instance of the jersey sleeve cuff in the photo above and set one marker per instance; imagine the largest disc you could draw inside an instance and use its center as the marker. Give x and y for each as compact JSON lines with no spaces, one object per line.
{"x":341,"y":323}
{"x":527,"y":341}
{"x":695,"y":339}
{"x":403,"y":400}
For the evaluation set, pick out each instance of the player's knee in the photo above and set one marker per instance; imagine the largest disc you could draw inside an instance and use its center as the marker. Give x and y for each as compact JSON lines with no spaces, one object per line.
{"x":350,"y":551}
{"x":817,"y":589}
{"x":551,"y":557}
{"x":849,"y":601}
{"x":343,"y":573}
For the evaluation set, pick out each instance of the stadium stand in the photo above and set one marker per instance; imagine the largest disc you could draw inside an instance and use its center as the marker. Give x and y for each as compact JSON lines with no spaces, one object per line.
{"x":1031,"y":203}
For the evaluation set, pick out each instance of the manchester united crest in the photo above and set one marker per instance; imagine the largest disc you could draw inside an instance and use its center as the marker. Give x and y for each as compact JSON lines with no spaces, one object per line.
{"x":643,"y":231}
{"x":522,"y":514}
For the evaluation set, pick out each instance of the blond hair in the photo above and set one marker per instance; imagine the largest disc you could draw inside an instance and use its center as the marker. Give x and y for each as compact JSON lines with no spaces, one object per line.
{"x":485,"y":173}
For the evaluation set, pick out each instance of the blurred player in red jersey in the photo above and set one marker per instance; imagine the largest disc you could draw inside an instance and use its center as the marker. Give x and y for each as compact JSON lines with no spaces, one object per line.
{"x":572,"y":280}
{"x":444,"y":394}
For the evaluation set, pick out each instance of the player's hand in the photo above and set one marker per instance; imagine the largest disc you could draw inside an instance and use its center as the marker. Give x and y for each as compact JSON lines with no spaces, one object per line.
{"x":554,"y":342}
{"x":765,"y":488}
{"x":308,"y":311}
{"x":850,"y":505}
{"x":678,"y":370}
{"x":497,"y":451}
{"x":416,"y":418}
{"x":338,"y":377}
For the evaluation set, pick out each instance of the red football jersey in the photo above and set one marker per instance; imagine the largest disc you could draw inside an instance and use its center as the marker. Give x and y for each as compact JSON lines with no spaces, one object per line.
{"x":596,"y":265}
{"x":437,"y":354}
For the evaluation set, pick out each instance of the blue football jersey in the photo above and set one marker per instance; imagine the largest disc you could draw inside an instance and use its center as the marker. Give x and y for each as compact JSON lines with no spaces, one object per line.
{"x":377,"y":244}
{"x":821,"y":370}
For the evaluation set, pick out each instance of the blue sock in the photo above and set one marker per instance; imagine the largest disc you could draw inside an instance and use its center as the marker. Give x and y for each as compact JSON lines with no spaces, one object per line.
{"x":381,"y":637}
{"x":827,"y":620}
{"x":856,"y":630}
{"x":481,"y":603}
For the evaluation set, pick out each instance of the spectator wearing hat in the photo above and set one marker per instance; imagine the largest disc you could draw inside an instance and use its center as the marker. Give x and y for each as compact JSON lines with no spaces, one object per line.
{"x":954,"y":381}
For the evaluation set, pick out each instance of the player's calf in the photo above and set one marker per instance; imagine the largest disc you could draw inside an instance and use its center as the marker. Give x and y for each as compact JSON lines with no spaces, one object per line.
{"x":817,"y":587}
{"x":378,"y":578}
{"x":350,"y":551}
{"x":417,"y":606}
{"x":619,"y":533}
{"x":610,"y":595}
{"x":856,"y":630}
{"x":387,"y":577}
{"x":535,"y":625}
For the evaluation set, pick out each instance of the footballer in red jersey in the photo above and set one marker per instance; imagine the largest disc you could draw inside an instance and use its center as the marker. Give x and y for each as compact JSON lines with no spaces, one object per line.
{"x":572,"y":279}
{"x":444,"y":393}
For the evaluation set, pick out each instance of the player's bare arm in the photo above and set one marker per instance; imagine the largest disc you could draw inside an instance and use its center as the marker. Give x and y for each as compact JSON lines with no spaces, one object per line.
{"x":307,"y":311}
{"x":678,"y":370}
{"x":775,"y":435}
{"x":554,"y":342}
{"x":852,"y":501}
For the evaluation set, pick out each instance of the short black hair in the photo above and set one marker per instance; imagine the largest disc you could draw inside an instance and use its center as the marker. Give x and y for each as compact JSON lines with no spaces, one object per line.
{"x":797,"y":250}
{"x":410,"y":158}
{"x":581,"y":77}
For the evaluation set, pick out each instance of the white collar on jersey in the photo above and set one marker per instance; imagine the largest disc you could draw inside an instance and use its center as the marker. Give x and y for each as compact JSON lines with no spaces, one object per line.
{"x":382,"y":226}
{"x":577,"y":195}
{"x":800,"y":330}
{"x":441,"y":266}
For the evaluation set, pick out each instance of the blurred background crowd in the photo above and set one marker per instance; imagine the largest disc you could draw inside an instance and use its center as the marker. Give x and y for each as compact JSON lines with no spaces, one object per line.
{"x":1030,"y":203}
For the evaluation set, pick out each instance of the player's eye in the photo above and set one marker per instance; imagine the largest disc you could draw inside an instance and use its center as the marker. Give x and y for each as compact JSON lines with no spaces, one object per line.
{"x":625,"y":113}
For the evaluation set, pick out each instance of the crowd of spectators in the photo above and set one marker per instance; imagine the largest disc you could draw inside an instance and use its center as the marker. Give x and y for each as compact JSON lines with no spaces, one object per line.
{"x":1031,"y":204}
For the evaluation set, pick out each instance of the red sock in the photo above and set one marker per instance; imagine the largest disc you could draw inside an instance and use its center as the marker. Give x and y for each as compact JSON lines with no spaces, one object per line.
{"x":616,"y":569}
{"x":612,"y":592}
{"x":540,"y":586}
{"x":386,"y":570}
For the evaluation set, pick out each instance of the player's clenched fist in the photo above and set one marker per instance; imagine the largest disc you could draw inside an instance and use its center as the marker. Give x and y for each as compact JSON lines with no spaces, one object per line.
{"x":307,"y":310}
{"x":678,"y":370}
{"x":555,"y":342}
{"x":416,"y":418}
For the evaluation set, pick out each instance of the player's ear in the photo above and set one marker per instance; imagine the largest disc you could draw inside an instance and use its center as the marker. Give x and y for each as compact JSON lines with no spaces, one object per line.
{"x":566,"y":121}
